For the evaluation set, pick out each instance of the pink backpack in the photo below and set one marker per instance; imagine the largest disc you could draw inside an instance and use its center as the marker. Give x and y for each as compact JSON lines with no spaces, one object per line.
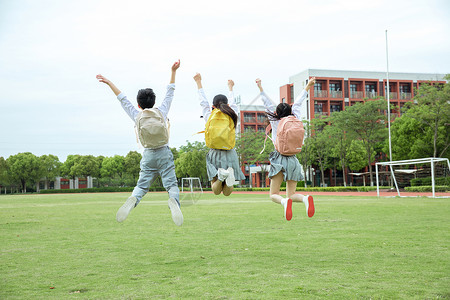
{"x":290,"y":134}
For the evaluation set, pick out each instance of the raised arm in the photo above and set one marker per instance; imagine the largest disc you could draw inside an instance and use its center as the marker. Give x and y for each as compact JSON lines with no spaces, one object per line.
{"x":175,"y":67}
{"x":167,"y":101}
{"x":103,"y":79}
{"x":232,"y":102}
{"x":198,"y":80}
{"x":268,"y":104}
{"x":300,"y":98}
{"x":126,"y":105}
{"x":206,"y":109}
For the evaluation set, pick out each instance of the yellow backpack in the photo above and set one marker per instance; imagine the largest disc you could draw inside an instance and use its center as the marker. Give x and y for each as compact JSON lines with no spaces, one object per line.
{"x":219,"y":131}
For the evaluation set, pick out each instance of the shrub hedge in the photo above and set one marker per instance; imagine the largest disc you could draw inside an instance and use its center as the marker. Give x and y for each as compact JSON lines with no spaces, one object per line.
{"x":426,"y":181}
{"x":97,"y":190}
{"x":266,"y":189}
{"x":424,"y":188}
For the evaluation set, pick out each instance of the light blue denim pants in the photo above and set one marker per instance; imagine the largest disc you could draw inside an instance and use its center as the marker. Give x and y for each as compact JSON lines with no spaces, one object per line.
{"x":157,"y":162}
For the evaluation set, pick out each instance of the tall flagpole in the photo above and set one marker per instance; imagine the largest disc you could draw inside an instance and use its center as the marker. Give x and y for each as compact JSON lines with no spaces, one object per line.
{"x":388,"y":101}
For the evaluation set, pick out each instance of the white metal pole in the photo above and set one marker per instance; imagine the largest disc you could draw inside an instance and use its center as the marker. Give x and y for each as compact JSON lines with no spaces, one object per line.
{"x":432,"y":176}
{"x":388,"y":101}
{"x":395,"y":180}
{"x":376,"y":172}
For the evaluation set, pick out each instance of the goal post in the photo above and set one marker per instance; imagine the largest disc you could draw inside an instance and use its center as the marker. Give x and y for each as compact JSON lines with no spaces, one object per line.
{"x":190,"y":182}
{"x":191,"y":190}
{"x":391,"y":164}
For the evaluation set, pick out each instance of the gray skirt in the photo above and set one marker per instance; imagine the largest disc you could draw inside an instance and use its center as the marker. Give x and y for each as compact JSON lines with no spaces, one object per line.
{"x":289,"y":165}
{"x":224,"y":159}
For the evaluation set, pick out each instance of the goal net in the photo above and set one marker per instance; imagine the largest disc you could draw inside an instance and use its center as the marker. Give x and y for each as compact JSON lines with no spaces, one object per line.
{"x":191,"y":190}
{"x":391,"y":164}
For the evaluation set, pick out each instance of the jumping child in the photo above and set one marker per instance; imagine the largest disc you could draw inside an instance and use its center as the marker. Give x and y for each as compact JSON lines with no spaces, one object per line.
{"x":222,"y":162}
{"x":156,"y":160}
{"x":285,"y":168}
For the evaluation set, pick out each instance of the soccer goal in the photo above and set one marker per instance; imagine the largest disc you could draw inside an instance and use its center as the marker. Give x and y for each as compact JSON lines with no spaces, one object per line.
{"x":391,"y":164}
{"x":191,"y":190}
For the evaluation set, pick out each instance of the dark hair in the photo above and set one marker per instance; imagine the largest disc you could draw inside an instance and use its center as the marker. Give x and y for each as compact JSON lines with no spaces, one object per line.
{"x":221,"y":102}
{"x":146,"y":98}
{"x":283,"y":110}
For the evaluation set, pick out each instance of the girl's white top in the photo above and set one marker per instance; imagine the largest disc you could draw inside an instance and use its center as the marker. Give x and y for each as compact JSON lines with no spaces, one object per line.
{"x":206,"y":108}
{"x":270,"y":106}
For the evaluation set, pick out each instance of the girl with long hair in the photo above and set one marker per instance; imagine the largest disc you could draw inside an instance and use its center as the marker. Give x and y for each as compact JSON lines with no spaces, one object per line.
{"x":285,"y":168}
{"x":222,"y":164}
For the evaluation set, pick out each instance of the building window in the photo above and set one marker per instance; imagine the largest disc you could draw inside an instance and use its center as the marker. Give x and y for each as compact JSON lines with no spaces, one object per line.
{"x":317,"y":86}
{"x":405,"y":89}
{"x":283,"y":100}
{"x":335,"y":107}
{"x":249,"y":117}
{"x":262,"y":118}
{"x":352,"y":87}
{"x":291,"y":88}
{"x":336,"y":87}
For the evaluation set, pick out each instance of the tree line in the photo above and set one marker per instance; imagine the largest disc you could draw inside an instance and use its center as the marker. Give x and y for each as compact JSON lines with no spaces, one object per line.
{"x":348,"y":140}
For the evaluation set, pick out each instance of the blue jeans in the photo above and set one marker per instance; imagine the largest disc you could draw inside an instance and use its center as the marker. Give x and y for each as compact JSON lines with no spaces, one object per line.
{"x":154,"y":163}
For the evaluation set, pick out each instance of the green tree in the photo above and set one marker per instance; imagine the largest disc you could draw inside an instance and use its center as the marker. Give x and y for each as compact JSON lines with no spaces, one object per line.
{"x":340,"y":139}
{"x":431,"y":109}
{"x":409,"y":139}
{"x":50,"y":165}
{"x":24,"y":168}
{"x":357,"y":156}
{"x":249,"y":146}
{"x":113,"y":166}
{"x":132,"y":164}
{"x":320,"y":145}
{"x":191,"y":161}
{"x":4,"y":180}
{"x":368,"y":123}
{"x":86,"y":165}
{"x":67,"y":167}
{"x":305,"y":157}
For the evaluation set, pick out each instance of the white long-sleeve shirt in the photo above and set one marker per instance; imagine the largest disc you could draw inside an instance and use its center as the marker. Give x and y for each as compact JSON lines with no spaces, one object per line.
{"x":268,"y":104}
{"x":163,"y":108}
{"x":206,"y":108}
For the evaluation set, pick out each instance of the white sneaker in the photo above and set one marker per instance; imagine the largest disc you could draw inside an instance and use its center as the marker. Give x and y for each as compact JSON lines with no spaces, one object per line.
{"x":126,"y":208}
{"x":222,"y":174}
{"x":309,"y":205}
{"x":177,"y":215}
{"x":287,"y":205}
{"x":230,"y":179}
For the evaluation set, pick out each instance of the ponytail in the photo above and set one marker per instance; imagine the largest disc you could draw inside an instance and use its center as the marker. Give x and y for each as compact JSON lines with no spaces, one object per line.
{"x":221,"y":102}
{"x":226,"y":109}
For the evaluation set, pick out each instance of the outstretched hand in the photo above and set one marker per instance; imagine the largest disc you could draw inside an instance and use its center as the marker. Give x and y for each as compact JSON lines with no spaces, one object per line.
{"x":230,"y":84}
{"x":311,"y":83}
{"x":175,"y":66}
{"x":198,"y":80}
{"x":103,"y":79}
{"x":258,"y":83}
{"x":198,"y":77}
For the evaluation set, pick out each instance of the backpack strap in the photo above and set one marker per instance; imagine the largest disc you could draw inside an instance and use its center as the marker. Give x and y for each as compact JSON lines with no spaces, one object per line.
{"x":268,"y":129}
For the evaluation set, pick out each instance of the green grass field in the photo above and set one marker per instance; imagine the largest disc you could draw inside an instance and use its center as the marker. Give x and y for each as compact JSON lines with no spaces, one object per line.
{"x":238,"y":247}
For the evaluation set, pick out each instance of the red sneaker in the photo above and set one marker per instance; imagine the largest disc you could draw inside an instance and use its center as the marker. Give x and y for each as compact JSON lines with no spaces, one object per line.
{"x":309,"y":205}
{"x":288,"y":209}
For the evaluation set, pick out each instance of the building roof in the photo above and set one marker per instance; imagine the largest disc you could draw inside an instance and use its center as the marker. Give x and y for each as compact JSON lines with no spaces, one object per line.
{"x":244,"y":107}
{"x":366,"y":74}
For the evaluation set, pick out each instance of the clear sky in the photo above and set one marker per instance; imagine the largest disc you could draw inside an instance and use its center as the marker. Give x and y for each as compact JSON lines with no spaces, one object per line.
{"x":50,"y":52}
